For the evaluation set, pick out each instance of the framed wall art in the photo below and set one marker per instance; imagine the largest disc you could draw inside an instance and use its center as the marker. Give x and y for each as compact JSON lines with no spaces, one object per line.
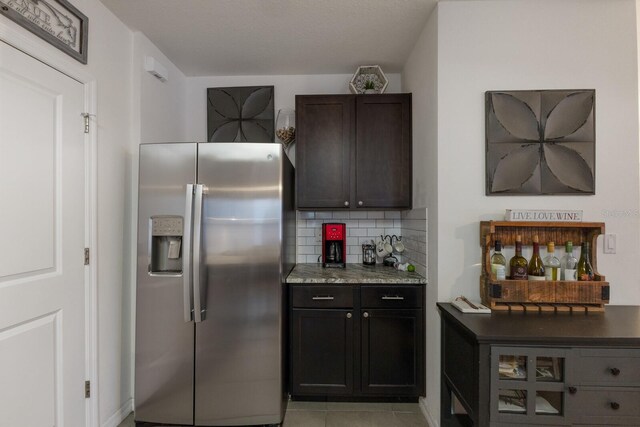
{"x":540,"y":142}
{"x":57,"y":22}
{"x":240,"y":114}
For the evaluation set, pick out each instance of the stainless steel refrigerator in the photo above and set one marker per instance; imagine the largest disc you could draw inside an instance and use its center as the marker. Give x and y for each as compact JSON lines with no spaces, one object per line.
{"x":216,"y":239}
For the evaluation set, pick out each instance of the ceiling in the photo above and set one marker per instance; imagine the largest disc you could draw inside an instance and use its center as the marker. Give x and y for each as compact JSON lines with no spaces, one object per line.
{"x":256,"y":37}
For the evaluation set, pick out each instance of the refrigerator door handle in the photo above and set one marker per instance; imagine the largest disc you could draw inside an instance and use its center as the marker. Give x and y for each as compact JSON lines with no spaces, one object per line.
{"x":186,"y":259}
{"x":199,"y":310}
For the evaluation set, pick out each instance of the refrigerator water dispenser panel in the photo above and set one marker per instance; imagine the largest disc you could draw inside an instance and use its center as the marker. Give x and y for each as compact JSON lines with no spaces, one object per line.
{"x":166,"y":245}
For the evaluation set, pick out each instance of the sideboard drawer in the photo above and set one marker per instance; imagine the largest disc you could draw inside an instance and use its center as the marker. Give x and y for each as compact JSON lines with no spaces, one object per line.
{"x":323,"y":296}
{"x":606,"y":406}
{"x":609,"y":367}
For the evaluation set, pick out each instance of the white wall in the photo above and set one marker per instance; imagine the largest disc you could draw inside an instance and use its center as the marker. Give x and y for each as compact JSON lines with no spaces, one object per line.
{"x":420,"y":76}
{"x":162,"y":105}
{"x":158,"y":115}
{"x":529,"y":44}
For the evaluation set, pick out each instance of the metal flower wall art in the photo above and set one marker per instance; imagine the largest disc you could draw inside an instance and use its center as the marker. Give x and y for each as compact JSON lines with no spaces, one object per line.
{"x":240,"y":114}
{"x":540,"y":142}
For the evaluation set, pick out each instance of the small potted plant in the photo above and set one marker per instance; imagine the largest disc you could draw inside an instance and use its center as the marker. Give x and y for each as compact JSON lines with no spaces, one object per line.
{"x":369,"y":87}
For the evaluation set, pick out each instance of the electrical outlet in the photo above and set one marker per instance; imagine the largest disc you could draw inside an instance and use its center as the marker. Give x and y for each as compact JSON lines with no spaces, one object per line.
{"x":609,"y":243}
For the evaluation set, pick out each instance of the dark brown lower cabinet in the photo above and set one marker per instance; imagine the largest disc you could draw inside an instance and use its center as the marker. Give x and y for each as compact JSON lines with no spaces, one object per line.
{"x":357,"y":342}
{"x":322,"y":356}
{"x":392,"y":354}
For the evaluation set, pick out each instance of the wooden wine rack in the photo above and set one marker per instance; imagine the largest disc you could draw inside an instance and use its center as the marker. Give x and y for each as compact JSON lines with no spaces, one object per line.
{"x":531,"y":295}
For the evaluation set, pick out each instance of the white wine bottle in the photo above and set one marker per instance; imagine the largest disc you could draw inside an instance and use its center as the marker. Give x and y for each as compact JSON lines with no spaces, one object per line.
{"x":569,"y":263}
{"x":551,"y":263}
{"x":498,"y":262}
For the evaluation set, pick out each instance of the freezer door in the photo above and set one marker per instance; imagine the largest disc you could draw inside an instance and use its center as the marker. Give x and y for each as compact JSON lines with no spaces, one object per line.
{"x":164,"y":358}
{"x":238,"y":344}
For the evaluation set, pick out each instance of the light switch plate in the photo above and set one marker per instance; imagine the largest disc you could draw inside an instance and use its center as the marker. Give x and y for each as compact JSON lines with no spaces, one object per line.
{"x":609,"y":244}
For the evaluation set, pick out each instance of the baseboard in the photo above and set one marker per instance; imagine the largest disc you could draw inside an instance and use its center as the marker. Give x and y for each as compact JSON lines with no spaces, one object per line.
{"x":122,"y":413}
{"x":425,"y":411}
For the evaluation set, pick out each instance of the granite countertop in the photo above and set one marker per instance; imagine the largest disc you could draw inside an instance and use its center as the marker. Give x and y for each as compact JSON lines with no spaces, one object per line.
{"x":353,"y":274}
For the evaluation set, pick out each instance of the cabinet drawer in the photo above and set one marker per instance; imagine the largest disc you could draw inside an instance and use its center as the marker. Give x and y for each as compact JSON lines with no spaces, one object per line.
{"x":610,"y":367}
{"x":395,"y":296}
{"x":606,"y":405}
{"x":312,"y":296}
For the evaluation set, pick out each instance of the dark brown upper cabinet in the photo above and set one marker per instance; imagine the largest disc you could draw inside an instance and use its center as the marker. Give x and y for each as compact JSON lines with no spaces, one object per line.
{"x":353,"y":151}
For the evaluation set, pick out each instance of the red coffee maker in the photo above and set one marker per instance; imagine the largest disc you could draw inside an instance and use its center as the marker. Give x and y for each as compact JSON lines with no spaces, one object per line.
{"x":334,"y":245}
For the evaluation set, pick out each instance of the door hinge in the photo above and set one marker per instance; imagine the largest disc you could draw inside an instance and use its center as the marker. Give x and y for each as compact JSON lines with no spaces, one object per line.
{"x":87,"y":389}
{"x":86,"y":256}
{"x":86,"y":117}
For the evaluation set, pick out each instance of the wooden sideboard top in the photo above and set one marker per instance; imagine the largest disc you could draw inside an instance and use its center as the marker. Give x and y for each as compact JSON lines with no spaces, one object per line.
{"x":616,"y":326}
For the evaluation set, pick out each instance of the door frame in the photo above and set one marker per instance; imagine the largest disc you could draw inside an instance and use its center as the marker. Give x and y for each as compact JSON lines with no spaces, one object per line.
{"x":25,"y":42}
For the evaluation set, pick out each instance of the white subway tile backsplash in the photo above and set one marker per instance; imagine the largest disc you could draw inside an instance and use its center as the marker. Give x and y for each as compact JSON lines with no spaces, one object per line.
{"x":354,"y":259}
{"x":373,"y":232}
{"x":352,"y":241}
{"x":306,"y":250}
{"x":358,"y":215}
{"x":392,"y":232}
{"x":384,"y":223}
{"x":356,"y":231}
{"x":306,"y":232}
{"x":367,"y":223}
{"x":306,"y":215}
{"x":313,"y":258}
{"x":415,"y":224}
{"x":324,"y":215}
{"x":363,"y":227}
{"x":364,"y":240}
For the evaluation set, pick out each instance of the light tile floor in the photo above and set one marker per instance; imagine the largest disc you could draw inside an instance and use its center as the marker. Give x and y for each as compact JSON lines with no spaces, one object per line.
{"x":345,"y":414}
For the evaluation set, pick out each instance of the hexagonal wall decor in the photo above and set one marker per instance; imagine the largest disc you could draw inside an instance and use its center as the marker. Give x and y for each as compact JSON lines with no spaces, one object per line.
{"x":368,"y":73}
{"x":540,"y":142}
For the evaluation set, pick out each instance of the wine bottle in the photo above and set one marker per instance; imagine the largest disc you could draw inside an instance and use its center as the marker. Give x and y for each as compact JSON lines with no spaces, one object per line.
{"x":551,"y":263}
{"x":569,"y":263}
{"x":498,"y":262}
{"x":518,"y":264}
{"x":585,"y":270}
{"x":536,"y":267}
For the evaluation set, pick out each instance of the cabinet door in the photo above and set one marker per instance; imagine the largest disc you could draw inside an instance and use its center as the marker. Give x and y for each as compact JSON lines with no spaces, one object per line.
{"x":324,"y":144}
{"x":528,"y":386}
{"x":322,"y":352}
{"x":392,"y":352}
{"x":383,"y":151}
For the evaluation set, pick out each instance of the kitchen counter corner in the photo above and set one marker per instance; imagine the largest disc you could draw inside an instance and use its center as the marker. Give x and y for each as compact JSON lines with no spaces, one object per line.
{"x":353,"y":274}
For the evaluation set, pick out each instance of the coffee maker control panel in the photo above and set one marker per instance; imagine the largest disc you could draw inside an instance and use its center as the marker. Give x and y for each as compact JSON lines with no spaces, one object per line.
{"x":335,"y":232}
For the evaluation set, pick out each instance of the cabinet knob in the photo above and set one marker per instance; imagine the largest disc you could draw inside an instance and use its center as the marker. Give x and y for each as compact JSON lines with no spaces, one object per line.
{"x":615,"y":371}
{"x":360,"y":203}
{"x":365,"y":314}
{"x":573,"y":390}
{"x":615,"y":406}
{"x":349,"y":315}
{"x":346,"y":203}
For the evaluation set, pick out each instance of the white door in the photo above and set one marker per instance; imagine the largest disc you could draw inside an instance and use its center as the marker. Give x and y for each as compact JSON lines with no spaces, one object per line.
{"x":42,"y":228}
